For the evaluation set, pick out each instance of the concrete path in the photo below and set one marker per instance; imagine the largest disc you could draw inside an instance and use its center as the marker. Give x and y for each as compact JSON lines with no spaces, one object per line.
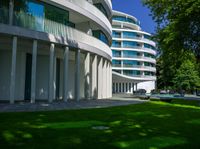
{"x":60,"y":105}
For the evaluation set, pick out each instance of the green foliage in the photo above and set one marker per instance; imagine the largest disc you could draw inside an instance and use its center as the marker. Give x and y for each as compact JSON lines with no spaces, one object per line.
{"x":178,"y":35}
{"x":187,"y":77}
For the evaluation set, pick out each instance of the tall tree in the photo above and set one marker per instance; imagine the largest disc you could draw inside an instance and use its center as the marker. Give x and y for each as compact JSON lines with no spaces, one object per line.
{"x":187,"y":77}
{"x":178,"y":23}
{"x":177,"y":35}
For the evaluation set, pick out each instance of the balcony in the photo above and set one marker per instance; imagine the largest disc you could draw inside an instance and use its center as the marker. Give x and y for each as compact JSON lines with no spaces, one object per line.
{"x":116,"y":65}
{"x":60,"y":30}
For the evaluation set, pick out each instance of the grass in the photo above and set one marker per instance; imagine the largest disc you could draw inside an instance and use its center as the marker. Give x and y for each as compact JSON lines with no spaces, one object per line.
{"x":150,"y":125}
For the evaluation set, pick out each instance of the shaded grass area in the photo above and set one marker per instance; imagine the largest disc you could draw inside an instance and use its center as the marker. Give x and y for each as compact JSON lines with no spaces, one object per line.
{"x":182,"y":102}
{"x":150,"y":125}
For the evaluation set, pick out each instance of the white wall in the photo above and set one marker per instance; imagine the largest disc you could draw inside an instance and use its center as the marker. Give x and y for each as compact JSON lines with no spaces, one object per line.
{"x":5,"y":67}
{"x":42,"y":77}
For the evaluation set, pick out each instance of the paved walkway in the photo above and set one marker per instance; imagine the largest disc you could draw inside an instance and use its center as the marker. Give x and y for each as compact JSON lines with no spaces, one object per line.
{"x":60,"y":105}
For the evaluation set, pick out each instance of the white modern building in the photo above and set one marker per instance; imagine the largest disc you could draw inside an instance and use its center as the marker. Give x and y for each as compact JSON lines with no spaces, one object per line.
{"x":134,"y":52}
{"x":55,"y":50}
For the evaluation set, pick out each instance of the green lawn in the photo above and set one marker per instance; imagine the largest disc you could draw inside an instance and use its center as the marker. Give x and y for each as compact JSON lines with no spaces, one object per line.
{"x":144,"y":126}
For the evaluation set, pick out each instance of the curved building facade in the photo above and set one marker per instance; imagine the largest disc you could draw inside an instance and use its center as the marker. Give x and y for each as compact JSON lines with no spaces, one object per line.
{"x":55,"y":50}
{"x":134,"y":53}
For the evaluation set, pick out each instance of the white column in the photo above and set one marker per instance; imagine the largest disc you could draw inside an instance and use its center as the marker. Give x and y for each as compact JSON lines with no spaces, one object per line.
{"x":87,"y":76}
{"x":136,"y":86}
{"x":105,"y":79}
{"x":11,"y":6}
{"x":121,"y":87}
{"x":132,"y":87}
{"x":65,"y":74}
{"x":118,"y":87}
{"x":77,"y":75}
{"x":94,"y":78}
{"x":110,"y":84}
{"x":33,"y":75}
{"x":100,"y":80}
{"x":51,"y":72}
{"x":13,"y":70}
{"x":111,"y":78}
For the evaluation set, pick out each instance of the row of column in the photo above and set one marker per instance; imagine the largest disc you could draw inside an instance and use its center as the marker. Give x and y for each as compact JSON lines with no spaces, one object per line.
{"x":104,"y":79}
{"x":124,"y":87}
{"x":98,"y":75}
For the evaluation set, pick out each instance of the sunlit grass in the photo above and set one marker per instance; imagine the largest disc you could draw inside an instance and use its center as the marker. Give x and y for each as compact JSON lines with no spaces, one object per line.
{"x":151,"y":125}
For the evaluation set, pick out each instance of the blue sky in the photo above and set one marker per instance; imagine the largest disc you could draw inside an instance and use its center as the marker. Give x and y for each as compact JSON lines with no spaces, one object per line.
{"x":136,"y":8}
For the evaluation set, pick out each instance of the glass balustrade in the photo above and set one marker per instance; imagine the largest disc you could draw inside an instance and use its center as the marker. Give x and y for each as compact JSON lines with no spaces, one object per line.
{"x":125,"y":19}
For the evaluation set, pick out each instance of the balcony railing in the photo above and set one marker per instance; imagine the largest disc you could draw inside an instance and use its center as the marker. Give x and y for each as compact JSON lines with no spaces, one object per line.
{"x":41,"y":24}
{"x":132,"y":56}
{"x":116,"y":55}
{"x":116,"y":65}
{"x":132,"y":37}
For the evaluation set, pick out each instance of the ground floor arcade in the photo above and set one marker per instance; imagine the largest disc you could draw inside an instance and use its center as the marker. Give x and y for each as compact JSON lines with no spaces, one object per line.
{"x":33,"y":70}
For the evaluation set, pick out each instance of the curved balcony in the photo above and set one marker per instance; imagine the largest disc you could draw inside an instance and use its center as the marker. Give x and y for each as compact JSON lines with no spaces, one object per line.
{"x":66,"y":34}
{"x":140,"y":59}
{"x":133,"y":77}
{"x":150,"y":51}
{"x":134,"y":67}
{"x":126,"y":24}
{"x":88,"y":10}
{"x":109,"y":3}
{"x":135,"y":39}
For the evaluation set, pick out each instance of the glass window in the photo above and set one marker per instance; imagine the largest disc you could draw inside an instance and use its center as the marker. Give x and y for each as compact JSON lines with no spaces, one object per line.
{"x":124,"y":19}
{"x":131,"y":54}
{"x":116,"y":62}
{"x":132,"y":72}
{"x":116,"y":44}
{"x":149,"y":55}
{"x":4,"y":11}
{"x":116,"y":34}
{"x":131,"y":35}
{"x":147,"y":37}
{"x":130,"y":44}
{"x":116,"y":53}
{"x":40,"y":16}
{"x":149,"y":46}
{"x":100,"y":35}
{"x":101,"y":8}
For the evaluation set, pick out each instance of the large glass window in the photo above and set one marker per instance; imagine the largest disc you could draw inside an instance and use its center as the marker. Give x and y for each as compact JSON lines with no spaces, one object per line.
{"x":116,"y":62}
{"x":147,"y":37}
{"x":149,"y":55}
{"x":116,"y":44}
{"x":116,"y":53}
{"x":40,"y":16}
{"x":149,"y":46}
{"x":101,"y":36}
{"x":131,"y":35}
{"x":132,"y":72}
{"x":124,"y":19}
{"x":147,"y":73}
{"x":149,"y":64}
{"x":131,"y":54}
{"x":116,"y":34}
{"x":130,"y":63}
{"x":101,"y":8}
{"x":4,"y":11}
{"x":130,"y":44}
